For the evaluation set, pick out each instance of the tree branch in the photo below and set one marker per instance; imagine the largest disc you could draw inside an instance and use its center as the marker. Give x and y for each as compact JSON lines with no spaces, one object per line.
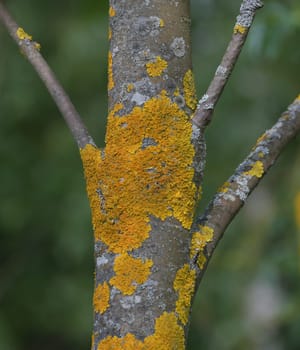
{"x":206,"y":105}
{"x":30,"y":49}
{"x":232,"y":195}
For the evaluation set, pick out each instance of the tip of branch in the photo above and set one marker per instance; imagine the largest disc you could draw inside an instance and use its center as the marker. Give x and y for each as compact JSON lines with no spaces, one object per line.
{"x":251,"y":5}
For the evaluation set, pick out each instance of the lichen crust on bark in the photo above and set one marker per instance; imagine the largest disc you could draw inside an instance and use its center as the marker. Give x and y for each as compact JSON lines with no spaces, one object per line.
{"x":145,"y":175}
{"x":143,"y":188}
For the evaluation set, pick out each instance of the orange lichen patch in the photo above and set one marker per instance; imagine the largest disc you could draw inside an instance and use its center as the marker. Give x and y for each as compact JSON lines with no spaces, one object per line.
{"x":101,"y":298}
{"x":184,"y":285}
{"x":168,"y":334}
{"x":109,"y":33}
{"x":224,"y":188}
{"x":189,"y":89}
{"x":138,"y":178}
{"x":37,"y":46}
{"x":129,"y":273}
{"x":111,"y":83}
{"x":201,"y":260}
{"x":239,"y":29}
{"x":261,"y":138}
{"x":22,"y":35}
{"x":176,"y":92}
{"x":130,"y":87}
{"x":256,"y":170}
{"x":91,"y":160}
{"x":297,"y":209}
{"x":199,"y":242}
{"x":200,"y":239}
{"x":129,"y":342}
{"x":112,"y":12}
{"x":156,"y":67}
{"x":117,"y":107}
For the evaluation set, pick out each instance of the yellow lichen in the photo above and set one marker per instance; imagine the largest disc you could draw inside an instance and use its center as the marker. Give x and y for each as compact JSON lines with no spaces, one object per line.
{"x":256,"y":170}
{"x":238,"y":28}
{"x":112,"y":12}
{"x":176,"y":92}
{"x":261,"y":154}
{"x":146,"y":171}
{"x":91,"y":160}
{"x":201,"y":260}
{"x":129,"y":342}
{"x":37,"y":46}
{"x":199,"y":242}
{"x":161,"y":22}
{"x":224,"y":188}
{"x":129,"y":273}
{"x":189,"y":89}
{"x":109,"y":33}
{"x":297,"y":209}
{"x":168,"y":334}
{"x":184,"y":285}
{"x":111,"y":83}
{"x":22,"y":35}
{"x":261,"y":138}
{"x":200,"y":239}
{"x":101,"y":298}
{"x":136,"y":181}
{"x":297,"y":98}
{"x":156,"y":67}
{"x":130,"y":87}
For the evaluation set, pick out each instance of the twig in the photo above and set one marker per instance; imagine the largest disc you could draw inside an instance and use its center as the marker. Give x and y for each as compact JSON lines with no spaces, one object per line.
{"x":232,"y":195}
{"x":30,"y":49}
{"x":206,"y":105}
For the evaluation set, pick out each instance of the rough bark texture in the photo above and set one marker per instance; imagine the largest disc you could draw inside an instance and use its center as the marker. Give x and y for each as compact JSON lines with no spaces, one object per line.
{"x":143,"y":187}
{"x":150,"y":250}
{"x":232,"y":195}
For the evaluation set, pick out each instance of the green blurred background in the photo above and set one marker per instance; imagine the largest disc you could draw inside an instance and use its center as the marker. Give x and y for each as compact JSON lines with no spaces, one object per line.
{"x":250,"y":296}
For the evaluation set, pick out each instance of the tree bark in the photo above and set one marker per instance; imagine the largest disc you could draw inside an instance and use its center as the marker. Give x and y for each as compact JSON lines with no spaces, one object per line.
{"x":151,"y":250}
{"x":143,"y":187}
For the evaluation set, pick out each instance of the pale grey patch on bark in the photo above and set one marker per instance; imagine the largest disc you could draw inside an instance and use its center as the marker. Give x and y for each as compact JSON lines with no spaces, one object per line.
{"x":180,"y":101}
{"x":147,"y":26}
{"x":128,"y":302}
{"x":247,"y":12}
{"x":139,"y":99}
{"x":178,"y":47}
{"x":221,"y":70}
{"x":148,"y":141}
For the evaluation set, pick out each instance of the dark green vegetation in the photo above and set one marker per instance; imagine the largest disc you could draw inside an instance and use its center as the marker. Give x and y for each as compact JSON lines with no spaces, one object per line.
{"x":250,"y":296}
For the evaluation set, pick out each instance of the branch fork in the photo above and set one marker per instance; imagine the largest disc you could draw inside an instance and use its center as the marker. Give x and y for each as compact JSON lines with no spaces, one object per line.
{"x":231,"y":196}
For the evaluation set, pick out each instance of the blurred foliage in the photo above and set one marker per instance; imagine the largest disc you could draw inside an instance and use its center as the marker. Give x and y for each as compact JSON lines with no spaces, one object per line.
{"x":250,"y":296}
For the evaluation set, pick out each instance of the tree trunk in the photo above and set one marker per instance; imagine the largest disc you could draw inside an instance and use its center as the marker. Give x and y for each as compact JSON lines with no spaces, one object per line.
{"x":143,"y":187}
{"x":150,"y":249}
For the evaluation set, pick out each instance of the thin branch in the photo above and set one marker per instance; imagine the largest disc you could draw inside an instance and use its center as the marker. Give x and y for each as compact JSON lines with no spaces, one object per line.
{"x":30,"y":49}
{"x":232,"y":195}
{"x":206,"y":105}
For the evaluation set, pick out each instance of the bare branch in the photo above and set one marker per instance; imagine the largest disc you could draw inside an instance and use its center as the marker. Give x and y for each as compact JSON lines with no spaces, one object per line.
{"x":232,"y":195}
{"x":30,"y":49}
{"x":206,"y":105}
